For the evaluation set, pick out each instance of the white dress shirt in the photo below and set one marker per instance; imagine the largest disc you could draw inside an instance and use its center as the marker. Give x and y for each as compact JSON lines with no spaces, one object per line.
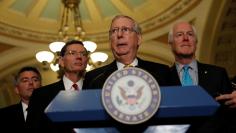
{"x":121,"y":65}
{"x":68,"y":84}
{"x":24,"y":107}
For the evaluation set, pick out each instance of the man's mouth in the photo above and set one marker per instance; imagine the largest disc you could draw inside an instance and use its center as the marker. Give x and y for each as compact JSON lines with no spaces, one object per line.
{"x":185,"y":45}
{"x":78,"y":64}
{"x":31,"y":89}
{"x":121,"y":44}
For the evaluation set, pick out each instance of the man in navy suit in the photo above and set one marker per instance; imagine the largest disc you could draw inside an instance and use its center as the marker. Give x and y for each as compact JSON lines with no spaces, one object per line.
{"x":13,"y":117}
{"x":214,"y":79}
{"x":125,"y":39}
{"x":73,"y":61}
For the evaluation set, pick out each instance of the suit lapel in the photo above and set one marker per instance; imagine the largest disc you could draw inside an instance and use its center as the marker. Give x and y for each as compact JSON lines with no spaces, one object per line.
{"x":110,"y":69}
{"x":106,"y":72}
{"x":141,"y":63}
{"x":61,"y":85}
{"x":20,"y":113}
{"x":202,"y":74}
{"x":174,"y":76}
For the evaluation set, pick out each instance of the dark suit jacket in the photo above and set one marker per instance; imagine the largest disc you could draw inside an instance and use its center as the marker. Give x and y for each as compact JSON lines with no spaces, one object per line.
{"x":215,"y":81}
{"x":212,"y":78}
{"x":37,"y":121}
{"x":12,"y":118}
{"x":96,"y":78}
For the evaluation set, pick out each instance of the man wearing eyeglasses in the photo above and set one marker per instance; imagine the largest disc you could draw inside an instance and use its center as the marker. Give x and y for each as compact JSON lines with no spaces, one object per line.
{"x":26,"y":81}
{"x":125,"y":39}
{"x":73,"y":61}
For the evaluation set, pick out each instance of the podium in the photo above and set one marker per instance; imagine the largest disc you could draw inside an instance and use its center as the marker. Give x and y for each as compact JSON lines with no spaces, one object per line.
{"x":179,"y":105}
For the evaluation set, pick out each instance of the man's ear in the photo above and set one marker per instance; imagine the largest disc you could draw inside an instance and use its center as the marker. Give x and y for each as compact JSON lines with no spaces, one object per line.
{"x":16,"y":90}
{"x":61,"y":61}
{"x":139,"y":39}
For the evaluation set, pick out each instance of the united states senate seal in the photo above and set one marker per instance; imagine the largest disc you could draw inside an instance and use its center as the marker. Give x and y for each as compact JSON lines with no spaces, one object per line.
{"x":131,"y":95}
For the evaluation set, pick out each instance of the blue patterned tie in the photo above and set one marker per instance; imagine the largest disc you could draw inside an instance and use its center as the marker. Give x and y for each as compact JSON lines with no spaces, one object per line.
{"x":186,"y":78}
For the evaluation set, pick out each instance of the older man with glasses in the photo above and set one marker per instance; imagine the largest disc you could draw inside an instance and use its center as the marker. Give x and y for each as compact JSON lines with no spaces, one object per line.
{"x":125,"y":39}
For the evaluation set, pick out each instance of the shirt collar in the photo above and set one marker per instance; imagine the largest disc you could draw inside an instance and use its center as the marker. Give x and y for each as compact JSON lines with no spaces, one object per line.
{"x":24,"y":106}
{"x":193,"y":65}
{"x":121,"y":65}
{"x":68,"y":83}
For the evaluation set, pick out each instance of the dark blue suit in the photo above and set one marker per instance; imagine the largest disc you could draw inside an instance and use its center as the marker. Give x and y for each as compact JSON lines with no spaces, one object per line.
{"x":215,"y":81}
{"x":37,"y":121}
{"x":12,"y":118}
{"x":96,"y":78}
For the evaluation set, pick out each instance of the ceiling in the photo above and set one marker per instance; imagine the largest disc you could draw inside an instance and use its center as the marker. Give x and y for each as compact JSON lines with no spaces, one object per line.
{"x":28,"y":26}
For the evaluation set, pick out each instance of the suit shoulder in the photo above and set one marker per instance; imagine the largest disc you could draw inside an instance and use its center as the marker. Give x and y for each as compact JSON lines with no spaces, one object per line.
{"x":10,"y":108}
{"x":49,"y":87}
{"x":97,"y":70}
{"x":211,"y":67}
{"x":155,"y":64}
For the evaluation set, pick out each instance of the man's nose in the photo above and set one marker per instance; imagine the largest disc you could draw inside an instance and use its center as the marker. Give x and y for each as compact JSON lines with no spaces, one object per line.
{"x":119,"y":33}
{"x":31,"y":81}
{"x":78,"y":56}
{"x":185,"y":37}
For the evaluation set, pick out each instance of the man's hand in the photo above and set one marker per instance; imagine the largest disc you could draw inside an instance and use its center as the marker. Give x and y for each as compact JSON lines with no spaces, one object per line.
{"x":230,"y":99}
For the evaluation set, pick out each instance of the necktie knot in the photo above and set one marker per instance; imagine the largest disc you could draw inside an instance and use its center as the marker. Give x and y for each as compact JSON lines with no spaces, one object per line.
{"x":186,"y":67}
{"x":75,"y":86}
{"x":127,"y":66}
{"x":186,"y":78}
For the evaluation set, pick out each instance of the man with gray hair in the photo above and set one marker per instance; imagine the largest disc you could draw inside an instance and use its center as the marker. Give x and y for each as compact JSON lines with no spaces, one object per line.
{"x":188,"y":71}
{"x":125,"y":39}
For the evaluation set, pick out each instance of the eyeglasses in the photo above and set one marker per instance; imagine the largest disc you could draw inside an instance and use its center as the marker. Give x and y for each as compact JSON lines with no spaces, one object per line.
{"x":75,"y":53}
{"x":124,"y":30}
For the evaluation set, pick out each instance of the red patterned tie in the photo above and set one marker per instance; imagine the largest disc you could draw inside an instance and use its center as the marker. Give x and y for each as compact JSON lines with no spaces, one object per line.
{"x":76,"y":87}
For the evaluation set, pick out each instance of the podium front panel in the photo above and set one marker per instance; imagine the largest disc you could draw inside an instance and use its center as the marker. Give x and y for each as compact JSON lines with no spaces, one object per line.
{"x":86,"y":105}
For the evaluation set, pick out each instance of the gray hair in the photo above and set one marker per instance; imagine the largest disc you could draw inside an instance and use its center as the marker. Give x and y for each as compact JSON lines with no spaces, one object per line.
{"x":136,"y":27}
{"x":170,"y":35}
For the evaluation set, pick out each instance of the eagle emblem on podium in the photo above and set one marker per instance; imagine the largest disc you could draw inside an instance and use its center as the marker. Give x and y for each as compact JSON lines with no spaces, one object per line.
{"x":131,"y":96}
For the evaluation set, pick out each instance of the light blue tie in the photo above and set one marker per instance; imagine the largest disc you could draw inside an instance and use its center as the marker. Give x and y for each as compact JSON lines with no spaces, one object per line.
{"x":186,"y":78}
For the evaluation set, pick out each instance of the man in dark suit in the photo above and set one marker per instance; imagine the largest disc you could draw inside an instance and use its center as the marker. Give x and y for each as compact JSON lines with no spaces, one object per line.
{"x":13,"y":117}
{"x":183,"y":41}
{"x":125,"y":39}
{"x":73,"y":60}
